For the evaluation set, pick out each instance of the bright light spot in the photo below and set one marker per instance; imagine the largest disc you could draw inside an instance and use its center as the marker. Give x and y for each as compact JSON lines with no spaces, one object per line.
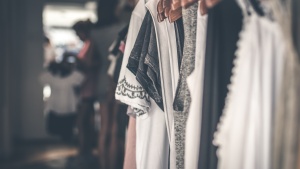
{"x":46,"y":92}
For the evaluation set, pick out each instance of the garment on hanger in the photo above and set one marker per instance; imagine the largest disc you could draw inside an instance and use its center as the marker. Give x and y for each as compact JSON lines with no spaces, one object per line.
{"x":169,"y":70}
{"x":116,"y":51}
{"x":182,"y":97}
{"x":130,"y":153}
{"x":245,"y":130}
{"x":143,"y":61}
{"x":195,"y":84}
{"x":152,"y":145}
{"x":286,"y":124}
{"x":129,"y":90}
{"x":223,"y":27}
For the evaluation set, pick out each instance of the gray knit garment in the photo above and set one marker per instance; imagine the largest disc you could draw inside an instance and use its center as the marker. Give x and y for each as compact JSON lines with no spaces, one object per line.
{"x":183,"y":98}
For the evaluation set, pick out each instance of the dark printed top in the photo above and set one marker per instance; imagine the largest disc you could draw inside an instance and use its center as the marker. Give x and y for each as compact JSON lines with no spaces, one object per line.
{"x":144,"y":63}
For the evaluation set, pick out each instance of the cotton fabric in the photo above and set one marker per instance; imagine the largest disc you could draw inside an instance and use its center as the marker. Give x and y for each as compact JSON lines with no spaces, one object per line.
{"x":195,"y":84}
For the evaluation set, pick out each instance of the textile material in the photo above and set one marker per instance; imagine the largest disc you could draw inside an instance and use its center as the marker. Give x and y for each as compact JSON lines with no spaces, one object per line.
{"x":129,"y":90}
{"x":116,"y":54}
{"x":244,"y":133}
{"x":286,"y":126}
{"x":169,"y":70}
{"x":296,"y":25}
{"x":152,"y":146}
{"x":223,"y":27}
{"x":130,"y":157}
{"x":182,"y":97}
{"x":195,"y":84}
{"x":143,"y":61}
{"x":118,"y":67}
{"x":285,"y":154}
{"x":103,"y":37}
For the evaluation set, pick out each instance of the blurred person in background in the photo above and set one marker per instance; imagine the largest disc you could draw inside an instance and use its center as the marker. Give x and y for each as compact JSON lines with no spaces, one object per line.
{"x":49,"y":52}
{"x":88,"y":62}
{"x":61,"y":107}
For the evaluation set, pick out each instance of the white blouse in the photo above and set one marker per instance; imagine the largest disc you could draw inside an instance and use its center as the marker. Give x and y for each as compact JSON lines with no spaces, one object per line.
{"x":129,"y":90}
{"x":244,"y":131}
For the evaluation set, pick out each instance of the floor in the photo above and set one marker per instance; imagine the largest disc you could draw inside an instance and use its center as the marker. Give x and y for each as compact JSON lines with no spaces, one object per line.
{"x":48,"y":155}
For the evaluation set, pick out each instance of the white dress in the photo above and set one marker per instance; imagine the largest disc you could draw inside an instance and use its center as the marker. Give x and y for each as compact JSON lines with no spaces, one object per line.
{"x":244,"y":131}
{"x":152,"y":145}
{"x":195,"y":83}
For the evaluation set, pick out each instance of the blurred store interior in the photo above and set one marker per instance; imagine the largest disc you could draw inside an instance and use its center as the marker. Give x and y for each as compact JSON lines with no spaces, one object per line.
{"x":24,"y":141}
{"x":149,"y":84}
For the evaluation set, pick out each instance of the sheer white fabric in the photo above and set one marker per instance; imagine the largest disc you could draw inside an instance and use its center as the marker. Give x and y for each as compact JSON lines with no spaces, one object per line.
{"x":244,"y":132}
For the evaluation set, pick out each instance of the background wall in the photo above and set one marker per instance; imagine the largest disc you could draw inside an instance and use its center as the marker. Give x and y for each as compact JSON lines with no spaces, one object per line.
{"x":21,"y":104}
{"x":31,"y":100}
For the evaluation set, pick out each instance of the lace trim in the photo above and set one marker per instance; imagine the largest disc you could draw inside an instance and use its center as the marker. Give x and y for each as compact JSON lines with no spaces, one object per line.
{"x":132,"y":91}
{"x":218,"y":135}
